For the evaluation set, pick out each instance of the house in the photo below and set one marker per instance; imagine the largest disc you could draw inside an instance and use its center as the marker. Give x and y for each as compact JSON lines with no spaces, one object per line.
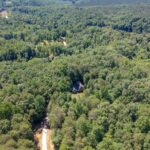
{"x":50,"y":57}
{"x":4,"y":14}
{"x":77,"y":87}
{"x":62,"y":38}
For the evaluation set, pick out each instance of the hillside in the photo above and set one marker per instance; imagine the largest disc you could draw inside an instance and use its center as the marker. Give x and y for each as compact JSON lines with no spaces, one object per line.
{"x":110,"y":2}
{"x":11,"y":3}
{"x":105,"y":2}
{"x":74,"y":2}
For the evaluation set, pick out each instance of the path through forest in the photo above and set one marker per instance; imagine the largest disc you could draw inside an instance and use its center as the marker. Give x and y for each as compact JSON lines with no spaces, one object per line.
{"x":65,"y":44}
{"x":44,"y":139}
{"x":43,"y":136}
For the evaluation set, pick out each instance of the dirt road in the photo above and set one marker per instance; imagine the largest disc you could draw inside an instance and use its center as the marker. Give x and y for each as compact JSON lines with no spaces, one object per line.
{"x":65,"y":44}
{"x":43,"y":136}
{"x":44,"y":139}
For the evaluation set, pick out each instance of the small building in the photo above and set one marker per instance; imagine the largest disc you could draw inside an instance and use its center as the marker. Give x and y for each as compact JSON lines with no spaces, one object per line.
{"x":62,"y":39}
{"x":77,"y":87}
{"x":4,"y":14}
{"x":49,"y":58}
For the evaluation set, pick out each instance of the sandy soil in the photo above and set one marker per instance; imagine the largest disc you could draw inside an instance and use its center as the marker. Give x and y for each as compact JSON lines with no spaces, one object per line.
{"x":38,"y":138}
{"x":65,"y":44}
{"x":50,"y":145}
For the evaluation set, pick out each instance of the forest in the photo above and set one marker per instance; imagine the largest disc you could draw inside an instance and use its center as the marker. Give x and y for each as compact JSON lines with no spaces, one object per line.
{"x":107,"y":49}
{"x":10,"y":3}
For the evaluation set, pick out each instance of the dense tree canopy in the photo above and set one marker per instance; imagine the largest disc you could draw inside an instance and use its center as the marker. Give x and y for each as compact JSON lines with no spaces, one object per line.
{"x":107,"y":49}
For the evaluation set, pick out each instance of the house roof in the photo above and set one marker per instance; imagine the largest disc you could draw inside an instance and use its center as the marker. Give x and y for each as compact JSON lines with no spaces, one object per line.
{"x":77,"y":87}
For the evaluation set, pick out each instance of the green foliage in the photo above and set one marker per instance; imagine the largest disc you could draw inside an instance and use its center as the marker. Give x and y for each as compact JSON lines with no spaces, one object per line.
{"x":107,"y":50}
